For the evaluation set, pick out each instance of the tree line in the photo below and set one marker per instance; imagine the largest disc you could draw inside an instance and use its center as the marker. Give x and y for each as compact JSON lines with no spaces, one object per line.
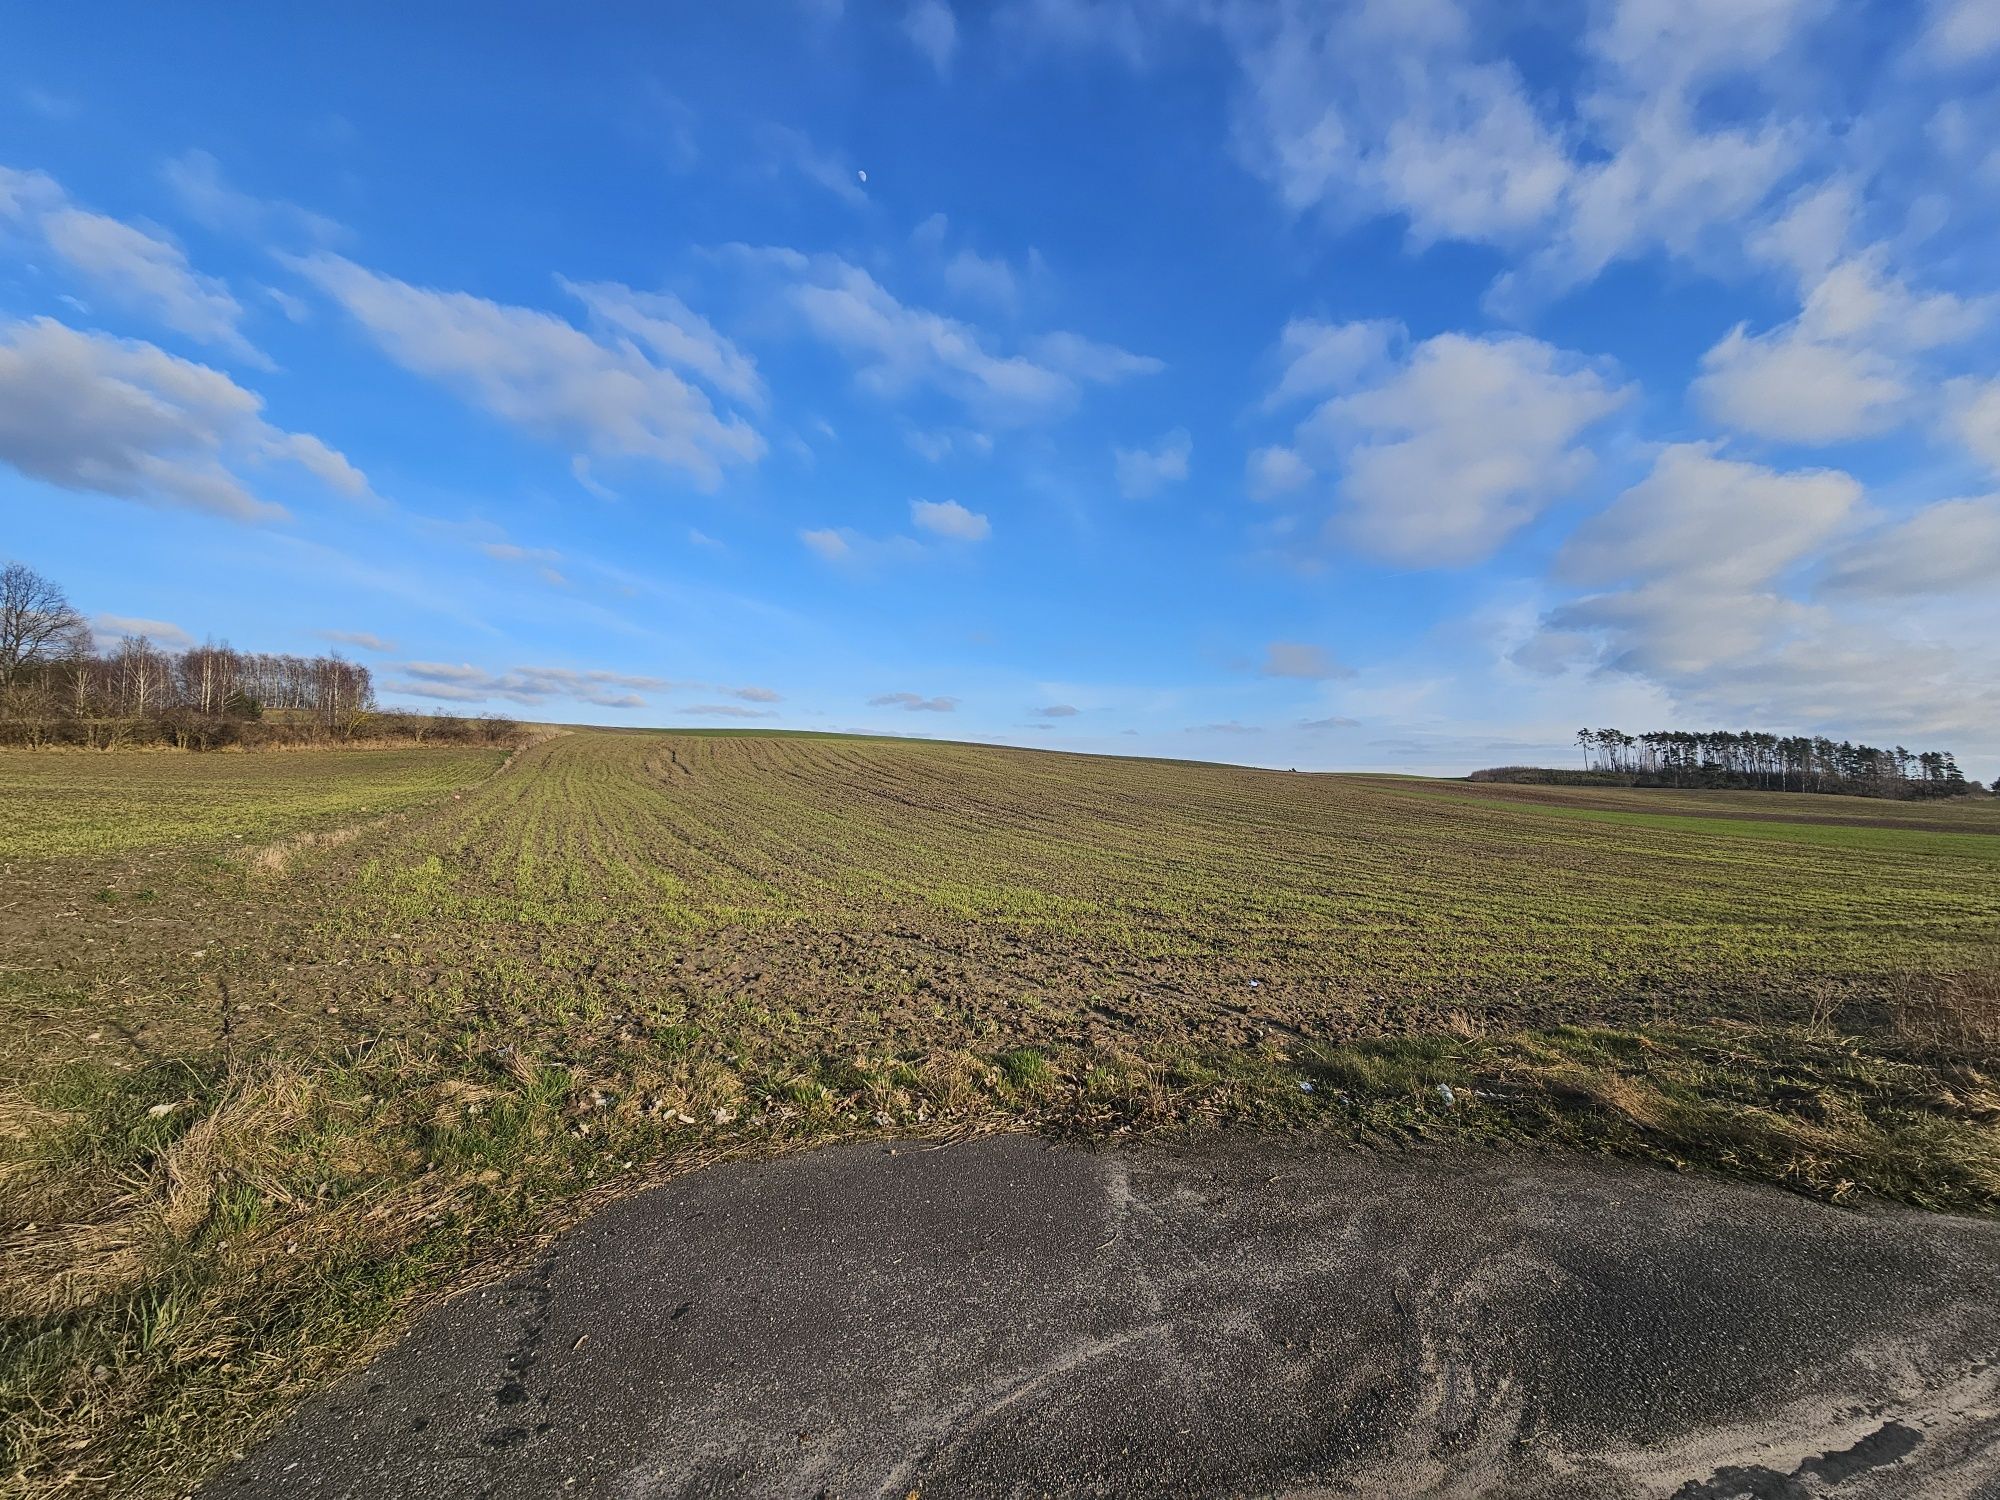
{"x":60,"y":686}
{"x":1754,"y":760}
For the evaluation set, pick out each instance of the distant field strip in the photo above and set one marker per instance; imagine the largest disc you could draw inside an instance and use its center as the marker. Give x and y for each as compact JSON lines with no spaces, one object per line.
{"x":62,"y":803}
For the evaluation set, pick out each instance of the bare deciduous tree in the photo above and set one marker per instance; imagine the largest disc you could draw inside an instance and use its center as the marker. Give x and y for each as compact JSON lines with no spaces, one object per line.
{"x":37,"y":624}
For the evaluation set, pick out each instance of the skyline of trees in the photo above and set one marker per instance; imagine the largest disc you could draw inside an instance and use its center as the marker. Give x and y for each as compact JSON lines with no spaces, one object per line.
{"x":1770,"y":762}
{"x":58,"y":685}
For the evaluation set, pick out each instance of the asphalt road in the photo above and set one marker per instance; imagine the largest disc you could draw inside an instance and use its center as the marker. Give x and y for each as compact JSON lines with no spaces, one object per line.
{"x":1244,"y":1316}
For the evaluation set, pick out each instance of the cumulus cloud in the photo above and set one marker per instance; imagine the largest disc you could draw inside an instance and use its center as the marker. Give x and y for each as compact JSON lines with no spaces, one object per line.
{"x":726,"y":711}
{"x":947,"y":518}
{"x":1230,"y":726}
{"x":622,"y":395}
{"x":898,"y":349}
{"x":1705,"y":569}
{"x":130,"y":267}
{"x":528,"y":686}
{"x":1058,"y":711}
{"x":914,"y":703}
{"x":755,"y":694}
{"x":1841,"y":369}
{"x":86,"y":412}
{"x":1418,"y":110}
{"x":1144,"y":472}
{"x":1298,"y":659}
{"x":1718,"y":522}
{"x":1787,"y":387}
{"x":1449,"y":449}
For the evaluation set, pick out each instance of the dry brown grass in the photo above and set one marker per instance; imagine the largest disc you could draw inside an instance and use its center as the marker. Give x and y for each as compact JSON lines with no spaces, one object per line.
{"x":1952,"y":1015}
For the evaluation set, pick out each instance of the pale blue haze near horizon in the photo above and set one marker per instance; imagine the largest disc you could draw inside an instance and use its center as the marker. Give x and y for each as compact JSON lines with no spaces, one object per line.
{"x":1350,"y":386}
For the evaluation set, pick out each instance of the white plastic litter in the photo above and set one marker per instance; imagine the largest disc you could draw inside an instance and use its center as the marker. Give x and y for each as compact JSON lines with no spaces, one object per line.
{"x":1445,"y":1093}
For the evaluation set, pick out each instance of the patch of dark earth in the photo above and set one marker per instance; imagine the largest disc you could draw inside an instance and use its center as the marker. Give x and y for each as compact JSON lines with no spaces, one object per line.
{"x":1236,"y":1316}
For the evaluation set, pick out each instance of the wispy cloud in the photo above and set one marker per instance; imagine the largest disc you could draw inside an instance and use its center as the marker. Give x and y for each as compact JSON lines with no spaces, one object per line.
{"x":131,"y":267}
{"x":622,"y":397}
{"x":529,"y":686}
{"x":360,"y":639}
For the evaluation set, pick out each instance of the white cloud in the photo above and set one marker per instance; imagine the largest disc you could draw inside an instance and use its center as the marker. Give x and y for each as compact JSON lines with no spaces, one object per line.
{"x":1707,"y":558}
{"x":1090,"y":361}
{"x":1962,"y":31}
{"x":1121,"y":27}
{"x":107,"y":630}
{"x":129,"y":267}
{"x":947,"y":518}
{"x":829,"y":544}
{"x":932,"y":31}
{"x":1274,"y":471}
{"x":1450,"y":451}
{"x":1712,"y":522}
{"x":146,"y":274}
{"x":1301,"y":660}
{"x":725,"y":711}
{"x":673,"y":333}
{"x":1322,"y":357}
{"x":609,"y":396}
{"x":914,"y":703}
{"x":1812,"y":233}
{"x":990,"y":279}
{"x":328,"y":465}
{"x":1841,"y":369}
{"x":1371,"y":108}
{"x":794,"y":151}
{"x":361,"y":639}
{"x":119,"y":417}
{"x":514,"y":553}
{"x":898,"y":348}
{"x":987,"y":278}
{"x":1952,"y":547}
{"x":1784,"y":386}
{"x":1143,"y":472}
{"x":528,"y":686}
{"x":1058,"y":711}
{"x":195,"y":178}
{"x":1974,"y":417}
{"x":1417,"y":110}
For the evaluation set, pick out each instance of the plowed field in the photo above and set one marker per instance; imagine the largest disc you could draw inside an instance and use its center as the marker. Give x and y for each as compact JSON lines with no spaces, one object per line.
{"x":291,"y":1040}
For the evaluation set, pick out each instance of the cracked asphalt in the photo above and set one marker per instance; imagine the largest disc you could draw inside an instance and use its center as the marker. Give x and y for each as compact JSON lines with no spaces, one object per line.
{"x":1235,"y":1316}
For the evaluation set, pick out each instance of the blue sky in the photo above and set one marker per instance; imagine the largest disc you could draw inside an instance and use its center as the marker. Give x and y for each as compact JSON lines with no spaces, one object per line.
{"x":1372,"y":385}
